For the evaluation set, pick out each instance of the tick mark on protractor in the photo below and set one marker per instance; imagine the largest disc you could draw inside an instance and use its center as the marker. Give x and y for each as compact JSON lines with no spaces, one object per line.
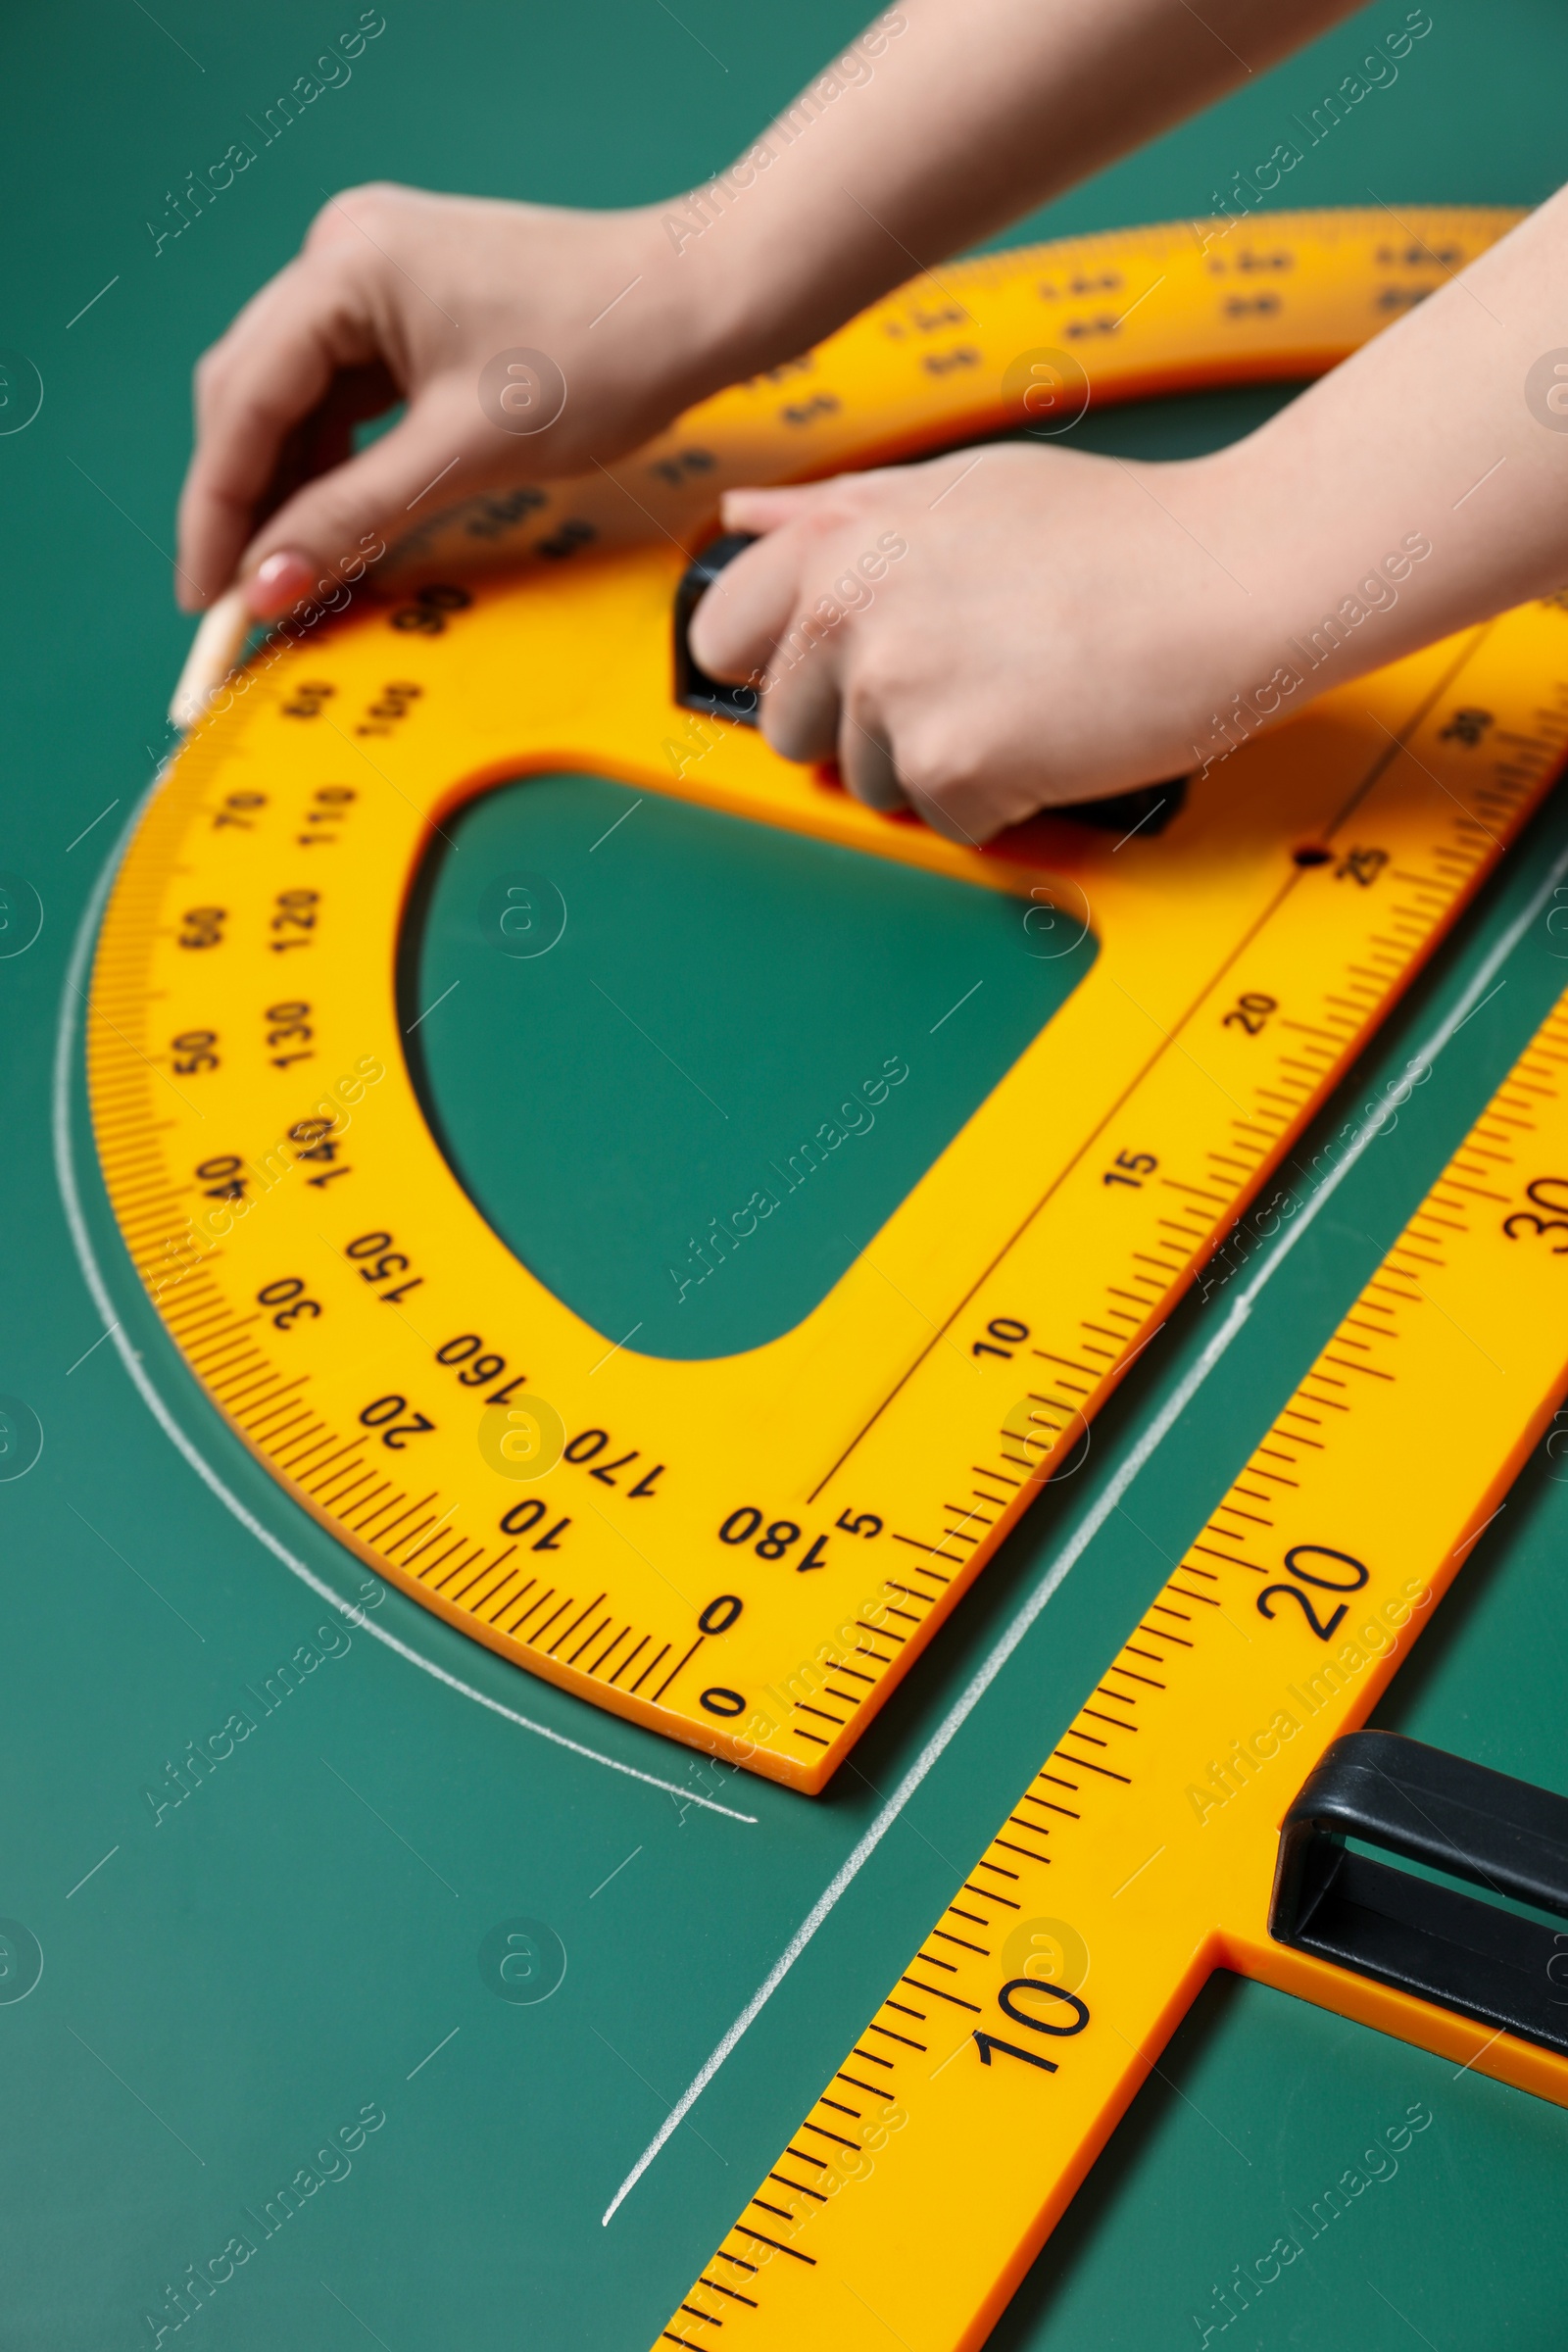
{"x":749,"y":1554}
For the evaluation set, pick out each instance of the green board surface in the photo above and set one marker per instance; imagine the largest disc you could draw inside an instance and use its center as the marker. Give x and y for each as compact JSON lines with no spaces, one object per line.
{"x":309,"y":1951}
{"x":808,"y":973}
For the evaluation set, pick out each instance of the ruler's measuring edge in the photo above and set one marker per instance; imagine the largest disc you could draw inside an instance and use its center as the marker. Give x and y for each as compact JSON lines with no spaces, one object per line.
{"x":1227,"y":1928}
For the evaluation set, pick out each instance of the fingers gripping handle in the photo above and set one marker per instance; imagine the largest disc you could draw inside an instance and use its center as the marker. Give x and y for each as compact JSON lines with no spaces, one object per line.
{"x":1149,"y":811}
{"x":695,"y":690}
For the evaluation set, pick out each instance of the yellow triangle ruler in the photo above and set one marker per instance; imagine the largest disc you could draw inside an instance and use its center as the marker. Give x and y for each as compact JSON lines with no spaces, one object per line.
{"x":1140,"y":1857}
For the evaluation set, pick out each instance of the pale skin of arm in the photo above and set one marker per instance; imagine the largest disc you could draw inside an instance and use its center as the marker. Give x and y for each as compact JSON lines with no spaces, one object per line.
{"x":1065,"y":626}
{"x":1061,"y":625}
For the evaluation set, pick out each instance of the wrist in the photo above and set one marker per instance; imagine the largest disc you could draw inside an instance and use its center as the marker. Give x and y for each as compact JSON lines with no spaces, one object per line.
{"x":704,"y":318}
{"x":757,"y":265}
{"x":1227,"y":665}
{"x":1338,"y":586}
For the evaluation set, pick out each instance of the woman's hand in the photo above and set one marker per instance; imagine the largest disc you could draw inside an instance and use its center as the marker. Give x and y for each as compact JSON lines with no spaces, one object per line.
{"x":1014,"y":627}
{"x":995,"y":633}
{"x":939,"y":121}
{"x":401,"y":295}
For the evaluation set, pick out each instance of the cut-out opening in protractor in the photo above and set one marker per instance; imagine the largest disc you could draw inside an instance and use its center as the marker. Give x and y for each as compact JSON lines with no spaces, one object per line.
{"x":635,"y":1065}
{"x":686,"y":1066}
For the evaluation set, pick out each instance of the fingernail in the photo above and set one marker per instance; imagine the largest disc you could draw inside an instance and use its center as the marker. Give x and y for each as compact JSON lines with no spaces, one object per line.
{"x":281,"y":580}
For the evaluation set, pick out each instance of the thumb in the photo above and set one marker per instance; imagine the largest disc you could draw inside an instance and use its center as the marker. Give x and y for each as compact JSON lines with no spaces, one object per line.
{"x":349,"y":516}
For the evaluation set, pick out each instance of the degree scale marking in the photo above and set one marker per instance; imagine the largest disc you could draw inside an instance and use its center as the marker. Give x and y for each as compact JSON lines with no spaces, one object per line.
{"x":1380,"y":760}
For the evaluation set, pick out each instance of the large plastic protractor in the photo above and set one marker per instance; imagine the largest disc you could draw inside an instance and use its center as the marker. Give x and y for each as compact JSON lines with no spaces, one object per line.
{"x":748,"y":1553}
{"x":1141,"y":1856}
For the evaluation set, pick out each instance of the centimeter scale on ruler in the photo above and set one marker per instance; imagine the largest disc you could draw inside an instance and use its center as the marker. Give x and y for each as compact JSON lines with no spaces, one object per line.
{"x":1140,"y":1857}
{"x":748,"y":1554}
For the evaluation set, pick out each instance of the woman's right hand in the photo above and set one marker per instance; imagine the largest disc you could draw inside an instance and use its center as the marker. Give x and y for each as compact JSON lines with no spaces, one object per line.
{"x":399,"y":295}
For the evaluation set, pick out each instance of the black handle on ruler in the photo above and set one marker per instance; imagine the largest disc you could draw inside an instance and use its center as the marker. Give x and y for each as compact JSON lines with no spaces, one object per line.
{"x":1502,"y":1834}
{"x":695,"y":690}
{"x":1146,"y":812}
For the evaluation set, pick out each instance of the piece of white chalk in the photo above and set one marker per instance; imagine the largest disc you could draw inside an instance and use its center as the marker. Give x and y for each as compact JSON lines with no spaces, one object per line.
{"x":214,"y":652}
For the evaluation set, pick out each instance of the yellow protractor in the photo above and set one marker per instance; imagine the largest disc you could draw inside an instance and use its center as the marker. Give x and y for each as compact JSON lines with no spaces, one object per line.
{"x":772,"y":1537}
{"x":1143,"y":1852}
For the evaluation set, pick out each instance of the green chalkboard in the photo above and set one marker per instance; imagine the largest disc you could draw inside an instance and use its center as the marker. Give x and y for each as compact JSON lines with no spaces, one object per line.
{"x":365,"y":2018}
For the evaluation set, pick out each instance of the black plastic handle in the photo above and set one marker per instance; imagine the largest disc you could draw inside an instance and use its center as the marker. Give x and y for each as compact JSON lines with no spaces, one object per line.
{"x":1146,"y":811}
{"x":1464,"y":1953}
{"x":695,"y":690}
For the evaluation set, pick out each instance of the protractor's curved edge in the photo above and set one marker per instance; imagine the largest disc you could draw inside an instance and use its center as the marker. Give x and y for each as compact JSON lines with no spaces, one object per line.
{"x":739,"y":432}
{"x":94,"y":1060}
{"x":1115,"y":387}
{"x":1118,"y":381}
{"x":73,"y":1138}
{"x":686,"y":1730}
{"x":1327,"y":223}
